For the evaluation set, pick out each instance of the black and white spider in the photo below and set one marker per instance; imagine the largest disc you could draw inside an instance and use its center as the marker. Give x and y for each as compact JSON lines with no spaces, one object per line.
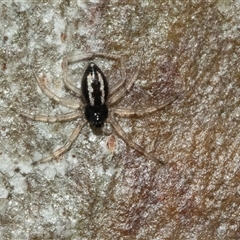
{"x":98,"y":97}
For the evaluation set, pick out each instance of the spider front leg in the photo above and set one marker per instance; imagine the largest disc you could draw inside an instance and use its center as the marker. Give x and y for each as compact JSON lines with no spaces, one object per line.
{"x":71,"y":103}
{"x":56,"y":154}
{"x":114,"y":98}
{"x":68,"y":84}
{"x":132,"y":144}
{"x":81,"y":57}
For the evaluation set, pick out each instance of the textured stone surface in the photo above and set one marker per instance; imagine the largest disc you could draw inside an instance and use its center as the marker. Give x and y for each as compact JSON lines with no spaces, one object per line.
{"x":190,"y":49}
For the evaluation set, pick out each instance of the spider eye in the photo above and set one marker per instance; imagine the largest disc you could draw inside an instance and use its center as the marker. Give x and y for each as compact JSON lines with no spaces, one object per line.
{"x":96,"y":115}
{"x":97,"y":120}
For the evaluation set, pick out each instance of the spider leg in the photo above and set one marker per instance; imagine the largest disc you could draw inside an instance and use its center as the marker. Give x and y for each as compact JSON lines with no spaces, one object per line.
{"x":114,"y":98}
{"x":71,"y":103}
{"x":65,"y":147}
{"x":80,"y":57}
{"x":68,"y":84}
{"x":124,"y":112}
{"x":132,"y":144}
{"x":120,"y":83}
{"x":51,"y":119}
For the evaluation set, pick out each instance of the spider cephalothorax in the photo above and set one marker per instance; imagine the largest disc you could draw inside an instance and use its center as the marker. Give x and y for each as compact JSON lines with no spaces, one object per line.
{"x":98,"y":98}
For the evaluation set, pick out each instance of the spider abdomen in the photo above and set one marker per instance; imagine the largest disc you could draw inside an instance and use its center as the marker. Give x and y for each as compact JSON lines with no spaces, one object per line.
{"x":95,"y":92}
{"x":94,"y":86}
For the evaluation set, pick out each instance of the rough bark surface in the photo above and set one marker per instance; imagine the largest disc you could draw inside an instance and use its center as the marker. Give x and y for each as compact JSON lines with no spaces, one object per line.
{"x":190,"y":49}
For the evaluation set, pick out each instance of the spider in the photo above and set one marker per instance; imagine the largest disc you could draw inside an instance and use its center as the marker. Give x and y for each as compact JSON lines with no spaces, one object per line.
{"x":98,"y":97}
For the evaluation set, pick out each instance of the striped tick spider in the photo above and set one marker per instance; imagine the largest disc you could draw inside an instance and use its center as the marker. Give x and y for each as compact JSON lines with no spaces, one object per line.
{"x":97,"y":98}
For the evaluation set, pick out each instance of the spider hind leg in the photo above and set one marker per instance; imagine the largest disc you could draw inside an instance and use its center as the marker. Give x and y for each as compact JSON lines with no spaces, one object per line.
{"x":132,"y":144}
